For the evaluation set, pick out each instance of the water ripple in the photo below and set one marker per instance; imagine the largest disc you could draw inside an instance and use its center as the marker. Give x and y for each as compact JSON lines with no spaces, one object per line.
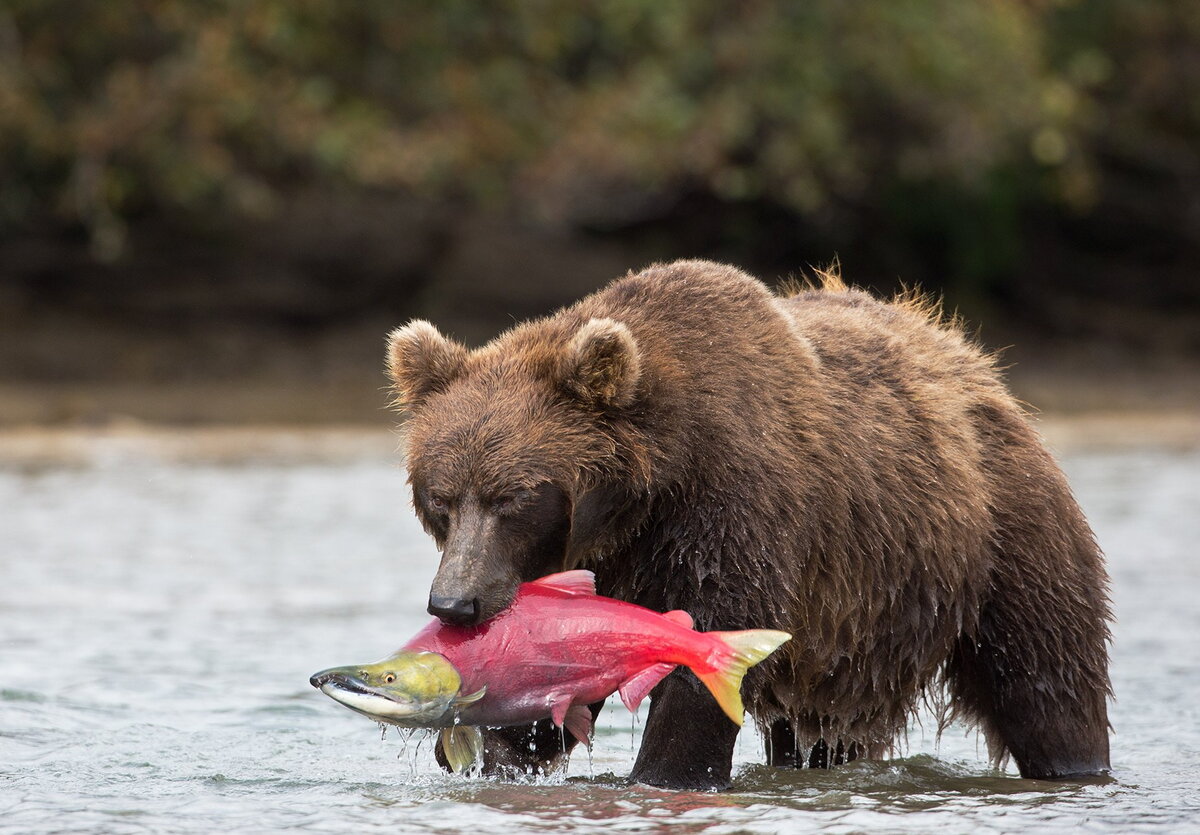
{"x":160,"y":618}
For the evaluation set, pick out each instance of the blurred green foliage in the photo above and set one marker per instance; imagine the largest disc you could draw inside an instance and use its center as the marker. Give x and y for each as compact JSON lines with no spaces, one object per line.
{"x":586,"y":112}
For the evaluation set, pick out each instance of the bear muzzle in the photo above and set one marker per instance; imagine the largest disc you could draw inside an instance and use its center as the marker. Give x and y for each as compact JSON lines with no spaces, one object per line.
{"x":455,"y":610}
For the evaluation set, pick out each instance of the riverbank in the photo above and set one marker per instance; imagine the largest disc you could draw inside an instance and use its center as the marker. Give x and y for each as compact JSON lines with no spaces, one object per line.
{"x":342,"y":382}
{"x":37,"y":447}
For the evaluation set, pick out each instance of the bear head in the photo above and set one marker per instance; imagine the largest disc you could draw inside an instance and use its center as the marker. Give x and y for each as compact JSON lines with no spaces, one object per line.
{"x":518,"y":453}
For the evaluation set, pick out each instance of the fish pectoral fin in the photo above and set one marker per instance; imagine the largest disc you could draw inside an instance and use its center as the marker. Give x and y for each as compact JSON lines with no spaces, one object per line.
{"x":470,"y":699}
{"x":560,"y":704}
{"x":577,"y":719}
{"x":463,"y":747}
{"x":578,"y":723}
{"x":639,"y":686}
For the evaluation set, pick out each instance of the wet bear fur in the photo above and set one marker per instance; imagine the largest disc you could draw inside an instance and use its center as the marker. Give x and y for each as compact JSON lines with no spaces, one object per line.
{"x":849,"y":470}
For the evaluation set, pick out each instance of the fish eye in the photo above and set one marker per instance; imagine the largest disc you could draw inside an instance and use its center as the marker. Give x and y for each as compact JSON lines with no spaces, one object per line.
{"x":388,"y":678}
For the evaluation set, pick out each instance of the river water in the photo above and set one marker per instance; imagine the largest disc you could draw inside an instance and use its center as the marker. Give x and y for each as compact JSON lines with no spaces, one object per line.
{"x":164,"y":598}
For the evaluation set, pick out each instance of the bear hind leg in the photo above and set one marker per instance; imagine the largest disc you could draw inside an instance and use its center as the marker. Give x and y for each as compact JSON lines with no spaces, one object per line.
{"x":784,"y":749}
{"x":1033,"y":669}
{"x":823,"y":756}
{"x":1034,"y":677}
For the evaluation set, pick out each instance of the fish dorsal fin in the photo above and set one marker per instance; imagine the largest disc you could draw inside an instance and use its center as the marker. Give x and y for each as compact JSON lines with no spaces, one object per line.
{"x":580,"y":581}
{"x":680,"y":617}
{"x":470,"y":698}
{"x":639,"y":686}
{"x":463,"y":747}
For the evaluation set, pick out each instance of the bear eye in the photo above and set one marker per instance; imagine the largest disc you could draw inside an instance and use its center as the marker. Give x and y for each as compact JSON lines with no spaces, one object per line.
{"x":510,"y":501}
{"x":438,"y":503}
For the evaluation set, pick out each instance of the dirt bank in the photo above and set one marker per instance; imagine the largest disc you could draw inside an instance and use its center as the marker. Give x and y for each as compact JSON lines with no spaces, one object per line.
{"x":42,"y":447}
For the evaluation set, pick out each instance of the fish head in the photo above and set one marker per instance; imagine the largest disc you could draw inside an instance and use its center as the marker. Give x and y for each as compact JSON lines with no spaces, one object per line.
{"x":411,"y":689}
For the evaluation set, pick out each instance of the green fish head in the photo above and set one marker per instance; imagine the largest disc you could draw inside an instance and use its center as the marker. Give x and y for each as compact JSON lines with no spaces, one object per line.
{"x":410,"y":689}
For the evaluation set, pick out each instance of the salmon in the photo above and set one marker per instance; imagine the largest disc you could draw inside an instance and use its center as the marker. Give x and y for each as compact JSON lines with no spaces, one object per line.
{"x":558,"y":648}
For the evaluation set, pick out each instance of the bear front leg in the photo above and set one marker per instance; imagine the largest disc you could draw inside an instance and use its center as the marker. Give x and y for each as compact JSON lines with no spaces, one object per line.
{"x":539,"y":748}
{"x":688,"y":741}
{"x":526,"y":749}
{"x":521,"y":749}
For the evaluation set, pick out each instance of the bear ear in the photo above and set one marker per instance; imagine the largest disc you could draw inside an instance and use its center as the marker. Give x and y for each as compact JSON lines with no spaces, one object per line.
{"x":601,"y":365}
{"x":421,"y":361}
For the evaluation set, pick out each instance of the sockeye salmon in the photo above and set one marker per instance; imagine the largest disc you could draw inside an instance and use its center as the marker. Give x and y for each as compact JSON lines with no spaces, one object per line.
{"x":558,"y":648}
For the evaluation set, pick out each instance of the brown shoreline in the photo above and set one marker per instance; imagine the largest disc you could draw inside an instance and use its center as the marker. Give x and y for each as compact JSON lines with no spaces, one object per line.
{"x":281,"y":444}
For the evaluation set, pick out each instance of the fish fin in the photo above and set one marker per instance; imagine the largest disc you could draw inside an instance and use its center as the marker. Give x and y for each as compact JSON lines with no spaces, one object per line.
{"x":463,"y":747}
{"x":579,"y":581}
{"x":680,"y":617}
{"x":639,"y":686}
{"x":471,"y":698}
{"x":742,"y":650}
{"x":560,"y":704}
{"x":578,"y":723}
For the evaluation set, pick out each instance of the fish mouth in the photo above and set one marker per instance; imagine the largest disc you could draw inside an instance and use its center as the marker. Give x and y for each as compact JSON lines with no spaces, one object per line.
{"x":381,"y":704}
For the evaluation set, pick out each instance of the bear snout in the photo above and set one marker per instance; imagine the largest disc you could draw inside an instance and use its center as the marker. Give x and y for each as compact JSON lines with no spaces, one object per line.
{"x":455,"y":610}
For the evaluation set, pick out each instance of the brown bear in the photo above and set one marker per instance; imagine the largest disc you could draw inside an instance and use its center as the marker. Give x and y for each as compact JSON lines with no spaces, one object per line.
{"x":849,"y":470}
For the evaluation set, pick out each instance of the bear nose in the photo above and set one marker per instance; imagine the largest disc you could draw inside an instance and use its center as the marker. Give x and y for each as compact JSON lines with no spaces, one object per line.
{"x":454,"y":609}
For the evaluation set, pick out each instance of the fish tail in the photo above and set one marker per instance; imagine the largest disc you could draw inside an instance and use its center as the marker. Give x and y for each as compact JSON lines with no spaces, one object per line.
{"x":463,"y":746}
{"x":743,"y":651}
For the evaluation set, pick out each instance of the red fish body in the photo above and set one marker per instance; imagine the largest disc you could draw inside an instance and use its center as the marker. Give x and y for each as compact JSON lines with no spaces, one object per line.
{"x":559,"y":647}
